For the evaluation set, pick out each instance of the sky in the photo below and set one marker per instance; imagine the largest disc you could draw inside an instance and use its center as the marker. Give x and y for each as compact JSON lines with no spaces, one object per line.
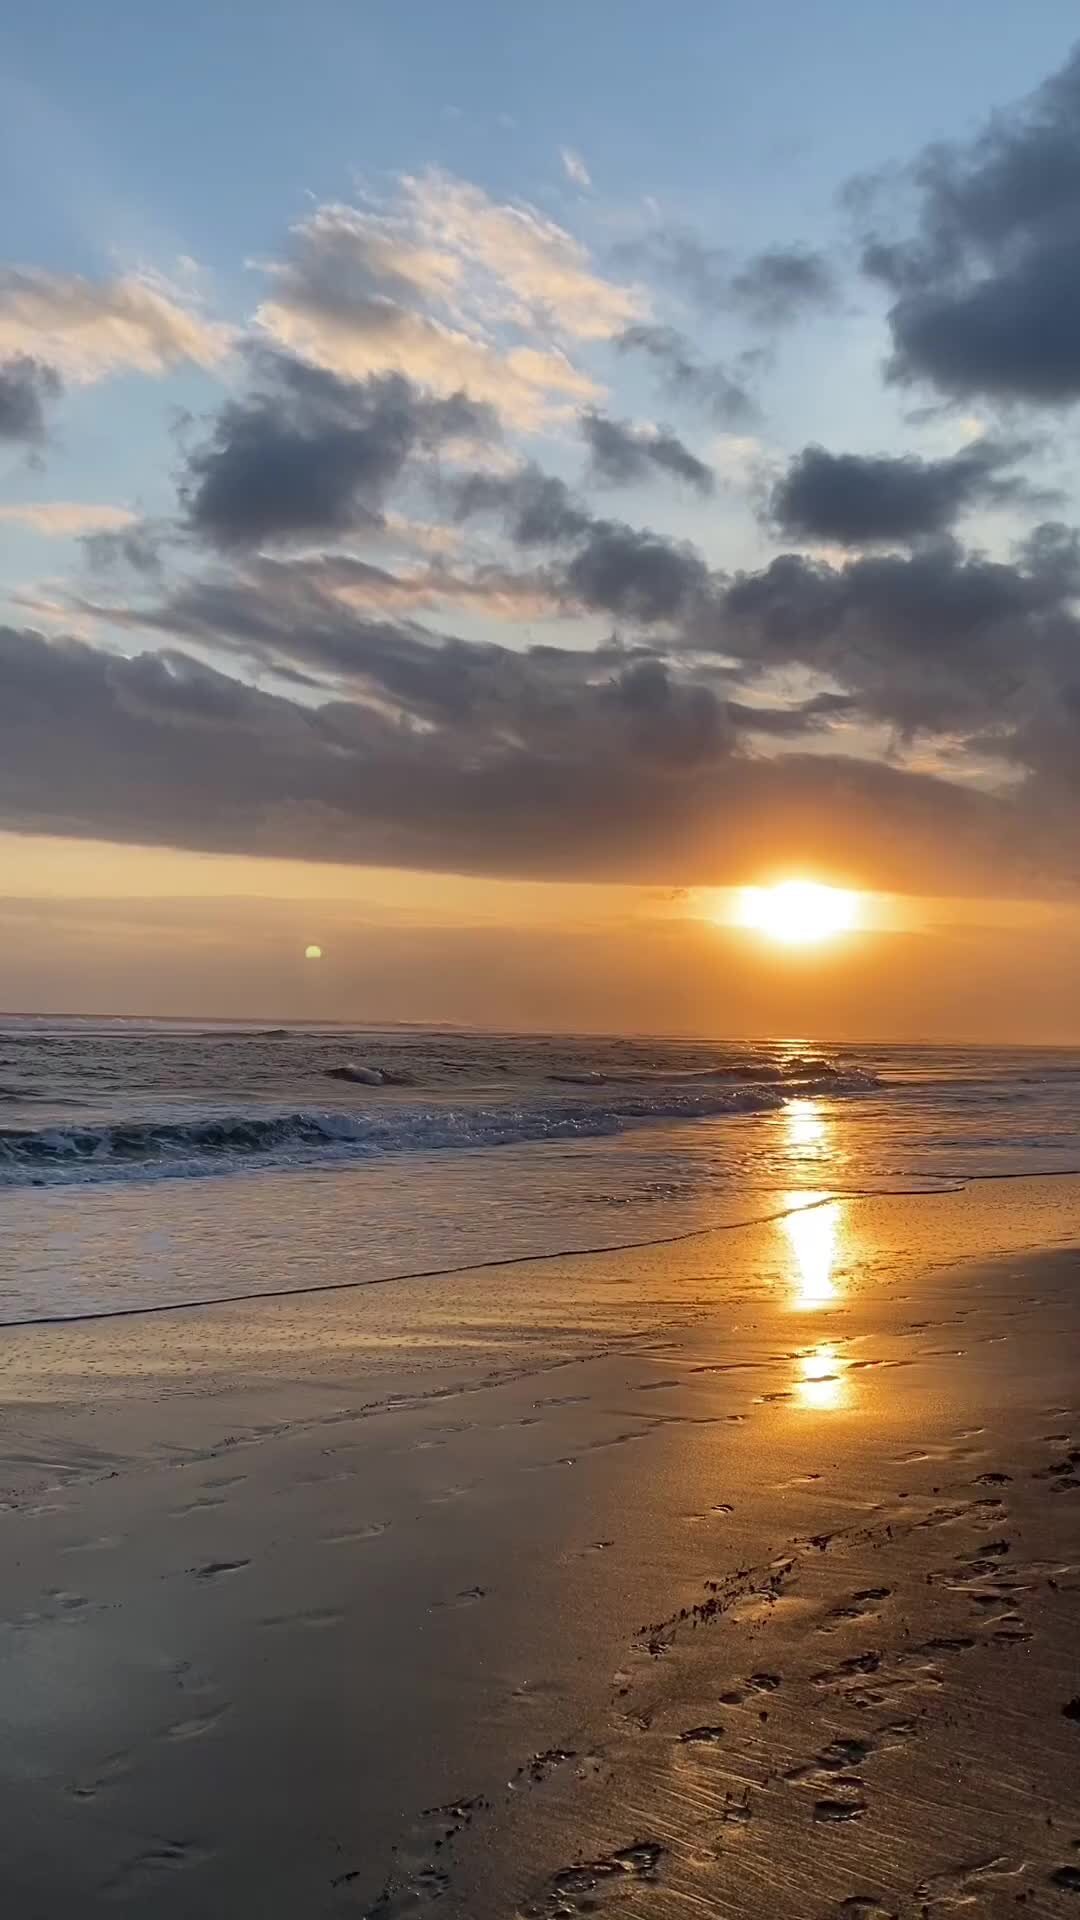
{"x":481,"y":489}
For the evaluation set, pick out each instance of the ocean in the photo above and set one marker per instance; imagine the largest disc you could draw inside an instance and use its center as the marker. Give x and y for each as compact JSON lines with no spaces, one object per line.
{"x":151,"y":1163}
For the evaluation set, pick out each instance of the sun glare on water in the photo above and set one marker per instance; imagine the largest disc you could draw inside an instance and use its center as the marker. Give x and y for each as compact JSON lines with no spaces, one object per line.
{"x":798,"y":912}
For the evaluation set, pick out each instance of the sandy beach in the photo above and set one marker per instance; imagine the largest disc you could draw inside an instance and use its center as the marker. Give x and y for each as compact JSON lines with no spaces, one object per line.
{"x":738,"y":1575}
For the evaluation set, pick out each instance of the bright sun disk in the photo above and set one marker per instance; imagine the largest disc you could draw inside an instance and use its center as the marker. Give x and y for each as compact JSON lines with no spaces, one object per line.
{"x":798,"y":912}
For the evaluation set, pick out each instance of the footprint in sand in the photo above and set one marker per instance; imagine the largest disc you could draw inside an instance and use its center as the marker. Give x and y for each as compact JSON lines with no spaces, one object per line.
{"x":864,"y":1605}
{"x":427,"y":1884}
{"x":584,"y":1887}
{"x":217,"y":1569}
{"x":758,"y":1683}
{"x":543,"y":1764}
{"x":841,"y":1754}
{"x":313,"y":1620}
{"x":867,"y":1662}
{"x":111,"y":1770}
{"x":964,"y":1886}
{"x":166,"y":1856}
{"x":194,"y":1728}
{"x":837,"y":1809}
{"x":468,"y":1597}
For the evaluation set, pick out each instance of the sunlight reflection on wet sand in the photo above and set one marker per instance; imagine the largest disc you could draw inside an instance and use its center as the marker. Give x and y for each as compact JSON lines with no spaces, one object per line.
{"x":813,"y":1236}
{"x":812,"y":1239}
{"x":821,"y":1383}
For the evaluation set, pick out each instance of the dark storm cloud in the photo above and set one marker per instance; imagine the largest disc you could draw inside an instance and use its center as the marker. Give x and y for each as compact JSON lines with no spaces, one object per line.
{"x":26,"y":387}
{"x":309,"y":454}
{"x":866,"y":500}
{"x":622,"y":455}
{"x":638,"y":780}
{"x":687,"y":379}
{"x":988,"y":285}
{"x":780,"y":285}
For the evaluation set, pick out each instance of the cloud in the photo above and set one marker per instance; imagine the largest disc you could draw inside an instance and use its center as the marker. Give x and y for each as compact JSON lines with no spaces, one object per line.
{"x":537,"y":508}
{"x":987,"y":284}
{"x":308,"y":454}
{"x":787,"y":722}
{"x":974,"y":659}
{"x":621,"y":454}
{"x":780,"y":285}
{"x":867,"y":500}
{"x":308,"y":609}
{"x":693,"y":382}
{"x":452,"y":289}
{"x":64,"y":519}
{"x":537,"y":273}
{"x":628,"y":572}
{"x":938,"y":642}
{"x":574,"y":167}
{"x":769,"y":289}
{"x":133,"y":543}
{"x":26,"y":386}
{"x":676,"y":256}
{"x":636,"y":575}
{"x":333,"y":620}
{"x":638,"y":778}
{"x":88,"y":329}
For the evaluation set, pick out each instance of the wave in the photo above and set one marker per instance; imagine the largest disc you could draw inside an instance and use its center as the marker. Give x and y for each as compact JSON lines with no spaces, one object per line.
{"x":222,"y":1142}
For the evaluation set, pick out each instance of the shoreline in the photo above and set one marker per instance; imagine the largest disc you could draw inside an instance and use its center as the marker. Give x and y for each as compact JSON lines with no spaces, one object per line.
{"x":283,"y":1578}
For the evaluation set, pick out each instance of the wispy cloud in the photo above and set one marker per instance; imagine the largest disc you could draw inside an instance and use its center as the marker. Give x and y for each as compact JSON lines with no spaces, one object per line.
{"x":451,"y":288}
{"x":90,"y":328}
{"x":62,"y":518}
{"x":574,"y":167}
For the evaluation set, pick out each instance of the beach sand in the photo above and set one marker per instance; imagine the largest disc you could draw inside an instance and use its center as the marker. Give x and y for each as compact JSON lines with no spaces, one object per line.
{"x":735,"y":1576}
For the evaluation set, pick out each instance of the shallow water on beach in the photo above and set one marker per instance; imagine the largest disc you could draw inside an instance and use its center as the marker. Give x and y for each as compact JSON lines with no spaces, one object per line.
{"x":149,"y":1165}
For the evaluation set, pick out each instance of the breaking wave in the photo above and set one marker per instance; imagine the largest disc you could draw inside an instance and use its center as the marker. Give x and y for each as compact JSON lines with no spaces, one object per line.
{"x":223,"y":1142}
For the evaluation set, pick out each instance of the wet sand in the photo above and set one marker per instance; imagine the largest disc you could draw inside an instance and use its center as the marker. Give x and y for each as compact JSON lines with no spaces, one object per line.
{"x":739,"y":1576}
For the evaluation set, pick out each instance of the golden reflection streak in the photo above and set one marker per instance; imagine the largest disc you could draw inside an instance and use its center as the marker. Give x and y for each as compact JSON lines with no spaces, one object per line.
{"x":804,"y":1123}
{"x":812,"y":1233}
{"x":821,"y":1385}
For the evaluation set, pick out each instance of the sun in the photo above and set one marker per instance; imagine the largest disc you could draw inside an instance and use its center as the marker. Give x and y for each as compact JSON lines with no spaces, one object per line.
{"x":313,"y":952}
{"x":798,"y":912}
